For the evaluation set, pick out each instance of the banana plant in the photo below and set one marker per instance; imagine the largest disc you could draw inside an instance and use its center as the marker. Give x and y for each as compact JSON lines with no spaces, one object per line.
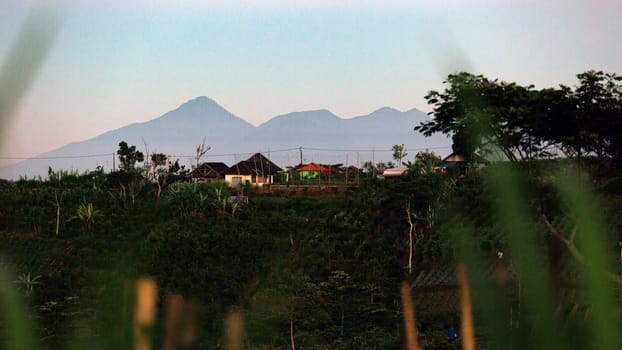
{"x":87,"y":214}
{"x":221,"y":197}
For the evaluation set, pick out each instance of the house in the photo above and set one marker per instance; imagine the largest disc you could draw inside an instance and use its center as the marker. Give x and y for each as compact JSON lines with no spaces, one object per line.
{"x":453,"y":160}
{"x":312,"y":171}
{"x":256,"y":170}
{"x":352,"y":171}
{"x":209,"y":172}
{"x":394,"y":172}
{"x":458,"y":163}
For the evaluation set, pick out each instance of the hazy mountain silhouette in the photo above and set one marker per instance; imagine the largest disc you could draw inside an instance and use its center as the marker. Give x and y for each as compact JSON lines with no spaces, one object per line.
{"x":179,"y":131}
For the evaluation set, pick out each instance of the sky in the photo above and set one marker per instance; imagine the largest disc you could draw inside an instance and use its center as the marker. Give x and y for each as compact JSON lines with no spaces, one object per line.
{"x":114,"y":63}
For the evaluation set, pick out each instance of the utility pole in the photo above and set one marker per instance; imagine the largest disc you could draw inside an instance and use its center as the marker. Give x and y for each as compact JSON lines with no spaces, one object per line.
{"x":300,"y":172}
{"x":373,"y":160}
{"x":114,"y":167}
{"x":346,"y":169}
{"x":319,"y":172}
{"x":357,"y":169}
{"x":291,"y":171}
{"x":373,"y":155}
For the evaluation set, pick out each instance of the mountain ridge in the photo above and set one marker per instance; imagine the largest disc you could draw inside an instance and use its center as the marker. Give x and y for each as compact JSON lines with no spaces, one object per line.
{"x":178,"y":131}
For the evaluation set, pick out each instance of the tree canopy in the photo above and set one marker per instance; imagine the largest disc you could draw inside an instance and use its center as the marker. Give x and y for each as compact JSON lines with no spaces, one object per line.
{"x":129,"y":156}
{"x":524,"y":123}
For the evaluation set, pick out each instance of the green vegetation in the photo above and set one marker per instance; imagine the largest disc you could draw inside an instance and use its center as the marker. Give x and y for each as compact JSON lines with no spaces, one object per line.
{"x":537,"y":238}
{"x":524,"y":124}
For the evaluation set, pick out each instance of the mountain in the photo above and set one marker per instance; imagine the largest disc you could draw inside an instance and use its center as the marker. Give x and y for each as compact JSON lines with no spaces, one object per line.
{"x":298,"y":129}
{"x":323,"y":136}
{"x":379,"y":130}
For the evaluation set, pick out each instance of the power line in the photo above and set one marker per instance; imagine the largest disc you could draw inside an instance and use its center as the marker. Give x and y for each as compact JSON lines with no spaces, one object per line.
{"x":225,"y":154}
{"x":108,"y":154}
{"x":58,"y":157}
{"x":207,"y":155}
{"x":369,"y":150}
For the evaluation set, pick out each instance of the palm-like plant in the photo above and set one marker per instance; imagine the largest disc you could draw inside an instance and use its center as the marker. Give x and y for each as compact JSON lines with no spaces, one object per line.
{"x":221,"y":197}
{"x":26,"y":282}
{"x":87,"y":214}
{"x":235,"y":206}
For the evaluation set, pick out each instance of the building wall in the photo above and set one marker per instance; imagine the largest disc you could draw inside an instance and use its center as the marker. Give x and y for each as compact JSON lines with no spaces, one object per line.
{"x":309,"y":174}
{"x":234,"y":179}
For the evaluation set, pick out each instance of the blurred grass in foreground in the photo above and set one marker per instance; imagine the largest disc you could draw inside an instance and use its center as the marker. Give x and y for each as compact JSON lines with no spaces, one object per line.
{"x":26,"y":56}
{"x":535,"y":317}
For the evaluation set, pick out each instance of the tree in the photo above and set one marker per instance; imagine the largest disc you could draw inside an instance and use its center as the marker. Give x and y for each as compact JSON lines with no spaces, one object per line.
{"x":55,"y":179}
{"x":128,"y":157}
{"x":369,"y":167}
{"x":597,"y":98}
{"x":425,"y":162}
{"x":200,"y":152}
{"x":338,"y":289}
{"x":487,"y":115}
{"x":399,"y":153}
{"x":129,"y":176}
{"x":175,"y":172}
{"x":157,"y":171}
{"x":382,"y":166}
{"x":587,"y":120}
{"x":524,"y":123}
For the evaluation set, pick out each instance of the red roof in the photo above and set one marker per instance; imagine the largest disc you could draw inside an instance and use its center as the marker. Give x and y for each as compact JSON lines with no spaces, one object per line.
{"x":313,"y":167}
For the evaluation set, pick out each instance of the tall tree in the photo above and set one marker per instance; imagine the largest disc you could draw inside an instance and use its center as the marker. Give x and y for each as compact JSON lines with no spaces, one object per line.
{"x":591,"y":122}
{"x":425,"y":162}
{"x":129,"y":176}
{"x":129,"y":156}
{"x":157,"y":172}
{"x":484,"y":115}
{"x":524,"y":123}
{"x":200,"y":152}
{"x":55,"y":180}
{"x":369,"y":167}
{"x":399,"y":153}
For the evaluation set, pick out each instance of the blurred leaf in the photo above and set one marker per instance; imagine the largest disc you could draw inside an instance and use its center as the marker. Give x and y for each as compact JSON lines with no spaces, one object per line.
{"x":16,"y":322}
{"x":592,"y":239}
{"x":26,"y":57}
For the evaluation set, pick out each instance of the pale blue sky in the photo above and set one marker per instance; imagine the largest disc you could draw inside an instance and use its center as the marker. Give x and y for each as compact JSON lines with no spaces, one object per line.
{"x":116,"y":63}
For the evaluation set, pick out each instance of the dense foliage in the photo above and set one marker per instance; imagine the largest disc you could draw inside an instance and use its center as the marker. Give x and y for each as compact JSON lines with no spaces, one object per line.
{"x":523,"y":123}
{"x":330,"y":264}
